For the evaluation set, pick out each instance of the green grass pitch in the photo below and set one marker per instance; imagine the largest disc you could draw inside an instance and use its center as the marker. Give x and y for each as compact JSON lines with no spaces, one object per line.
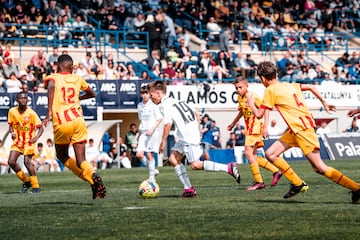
{"x":223,"y":209}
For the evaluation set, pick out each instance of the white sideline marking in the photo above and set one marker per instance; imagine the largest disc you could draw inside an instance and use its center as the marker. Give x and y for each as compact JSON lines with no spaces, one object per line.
{"x":134,"y":208}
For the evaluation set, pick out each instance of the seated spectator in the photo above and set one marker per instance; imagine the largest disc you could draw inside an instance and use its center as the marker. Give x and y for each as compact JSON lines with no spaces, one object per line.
{"x":38,"y":159}
{"x":250,"y":73}
{"x":121,"y":158}
{"x":170,"y":70}
{"x":174,"y":57}
{"x":240,"y":66}
{"x":63,"y":28}
{"x":13,"y":85}
{"x":131,"y":71}
{"x":353,"y":127}
{"x":92,"y":154}
{"x":306,"y":75}
{"x":214,"y":29}
{"x":152,"y":60}
{"x":224,"y":64}
{"x":110,"y":72}
{"x":50,"y":155}
{"x":121,"y":70}
{"x":53,"y":58}
{"x":38,"y":64}
{"x":179,"y":78}
{"x":144,"y":75}
{"x":82,"y":71}
{"x":28,"y":79}
{"x":89,"y":64}
{"x":10,"y":67}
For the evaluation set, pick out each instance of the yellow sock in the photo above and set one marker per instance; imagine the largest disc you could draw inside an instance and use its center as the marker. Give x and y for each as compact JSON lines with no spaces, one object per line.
{"x":256,"y":172}
{"x":34,"y":182}
{"x":71,"y":164}
{"x":287,"y":171}
{"x":266,"y":164}
{"x":337,"y":177}
{"x":22,"y":176}
{"x":87,"y":171}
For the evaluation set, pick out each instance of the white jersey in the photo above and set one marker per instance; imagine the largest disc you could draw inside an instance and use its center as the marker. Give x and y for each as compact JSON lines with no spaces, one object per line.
{"x":148,"y":115}
{"x":184,"y":118}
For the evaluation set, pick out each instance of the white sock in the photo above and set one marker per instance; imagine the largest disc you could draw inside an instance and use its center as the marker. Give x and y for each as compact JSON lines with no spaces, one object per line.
{"x":180,"y":170}
{"x":103,"y":166}
{"x":151,"y":165}
{"x":144,"y":161}
{"x":214,"y":166}
{"x":51,"y":169}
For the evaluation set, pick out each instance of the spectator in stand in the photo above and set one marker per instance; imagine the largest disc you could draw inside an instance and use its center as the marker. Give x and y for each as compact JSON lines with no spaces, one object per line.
{"x":89,"y":64}
{"x":224,"y":40}
{"x":240,"y":66}
{"x":214,"y":29}
{"x":145,"y":75}
{"x":92,"y":154}
{"x":354,"y":58}
{"x":122,"y":157}
{"x":169,"y":29}
{"x":50,"y":156}
{"x":131,"y":141}
{"x":82,"y":71}
{"x":52,"y":60}
{"x":353,"y":127}
{"x":223,"y":62}
{"x":66,"y":11}
{"x":131,"y":71}
{"x":342,"y":63}
{"x":52,"y":12}
{"x":354,"y":73}
{"x":10,"y":67}
{"x":170,"y":70}
{"x":78,"y":28}
{"x":179,"y":78}
{"x":38,"y":64}
{"x":109,"y":72}
{"x":306,"y":75}
{"x":184,"y":53}
{"x":239,"y":131}
{"x":63,"y":28}
{"x":154,"y":32}
{"x":152,"y":60}
{"x":138,"y":21}
{"x":13,"y":85}
{"x":120,"y":14}
{"x":184,"y":35}
{"x":250,"y":73}
{"x":121,"y":70}
{"x":206,"y":135}
{"x":216,"y":136}
{"x":109,"y":24}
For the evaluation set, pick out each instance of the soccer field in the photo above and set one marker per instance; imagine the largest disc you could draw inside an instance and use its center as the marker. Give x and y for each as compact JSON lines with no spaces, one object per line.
{"x":223,"y":209}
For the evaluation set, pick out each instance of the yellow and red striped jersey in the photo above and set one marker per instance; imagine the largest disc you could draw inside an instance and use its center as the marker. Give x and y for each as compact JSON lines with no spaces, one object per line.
{"x":66,"y":104}
{"x":252,"y":123}
{"x":288,"y":99}
{"x":24,"y":125}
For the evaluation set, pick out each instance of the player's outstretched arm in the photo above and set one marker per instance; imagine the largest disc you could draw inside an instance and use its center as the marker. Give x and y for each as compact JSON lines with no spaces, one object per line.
{"x":328,"y":107}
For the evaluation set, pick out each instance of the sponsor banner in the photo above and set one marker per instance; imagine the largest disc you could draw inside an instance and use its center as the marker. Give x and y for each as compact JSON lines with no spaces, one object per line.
{"x":344,"y":145}
{"x":129,"y":93}
{"x":5,"y":103}
{"x":107,"y":93}
{"x":41,"y":104}
{"x":224,"y":95}
{"x":89,"y":108}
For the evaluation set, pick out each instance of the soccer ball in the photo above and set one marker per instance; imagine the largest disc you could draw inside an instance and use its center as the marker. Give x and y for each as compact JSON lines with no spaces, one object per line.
{"x":149,"y":189}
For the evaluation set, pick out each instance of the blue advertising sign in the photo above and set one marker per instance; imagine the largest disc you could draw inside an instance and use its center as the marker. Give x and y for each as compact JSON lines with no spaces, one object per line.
{"x":41,"y":104}
{"x":5,"y":104}
{"x":107,"y":93}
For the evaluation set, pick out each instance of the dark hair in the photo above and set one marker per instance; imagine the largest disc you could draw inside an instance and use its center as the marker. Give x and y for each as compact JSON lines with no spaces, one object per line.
{"x":65,"y":62}
{"x":144,"y":89}
{"x":267,"y":70}
{"x":158,"y":85}
{"x":21,"y":93}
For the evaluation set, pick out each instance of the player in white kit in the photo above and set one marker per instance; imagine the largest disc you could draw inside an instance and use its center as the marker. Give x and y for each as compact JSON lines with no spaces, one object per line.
{"x":149,"y":139}
{"x":187,"y":123}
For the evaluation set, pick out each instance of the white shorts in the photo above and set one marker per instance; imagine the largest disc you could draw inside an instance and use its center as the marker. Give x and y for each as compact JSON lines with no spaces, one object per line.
{"x":149,"y":143}
{"x":191,"y":151}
